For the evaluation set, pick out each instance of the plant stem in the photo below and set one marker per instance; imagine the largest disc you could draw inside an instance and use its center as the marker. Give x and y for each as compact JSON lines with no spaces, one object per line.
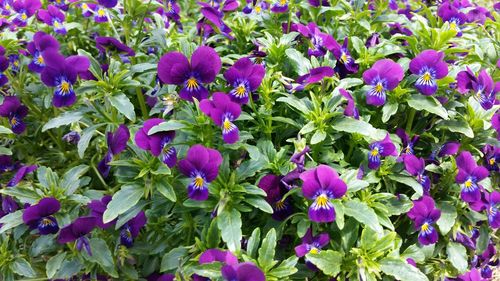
{"x":139,"y":35}
{"x":142,"y":103}
{"x":410,"y":120}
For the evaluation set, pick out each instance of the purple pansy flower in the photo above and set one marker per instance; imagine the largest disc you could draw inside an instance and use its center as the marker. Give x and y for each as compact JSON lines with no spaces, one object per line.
{"x":130,"y":230}
{"x":215,"y":17}
{"x":15,"y":112}
{"x":491,"y":157}
{"x":312,"y":244}
{"x":373,"y":40}
{"x":107,"y":3}
{"x":8,"y":206}
{"x":383,"y":76}
{"x":378,"y":149}
{"x":495,"y":123}
{"x":53,"y":17}
{"x":482,"y":86}
{"x":317,"y":3}
{"x":397,"y":28}
{"x":472,"y":275}
{"x":321,"y":42}
{"x":4,"y":65}
{"x":408,"y":143}
{"x":39,"y":216}
{"x":77,"y":231}
{"x":279,"y":6}
{"x":117,"y":142}
{"x":202,"y":166}
{"x":469,"y":175}
{"x":61,"y":73}
{"x":175,"y":68}
{"x":345,"y":62}
{"x":449,"y":13}
{"x":14,"y":63}
{"x":491,"y":203}
{"x":87,"y":9}
{"x":41,"y":42}
{"x":351,"y":109}
{"x":100,"y":13}
{"x":322,"y":184}
{"x":315,"y":75}
{"x":215,"y":255}
{"x":275,"y":191}
{"x":245,"y":271}
{"x":424,"y":215}
{"x":20,"y":174}
{"x":429,"y":66}
{"x":61,"y":4}
{"x":161,"y":277}
{"x":25,"y":9}
{"x":6,"y":164}
{"x":416,"y":167}
{"x":479,"y":14}
{"x":223,"y":112}
{"x":111,"y":44}
{"x":72,"y":137}
{"x":6,"y":7}
{"x":159,"y":144}
{"x":244,"y":77}
{"x":449,"y":148}
{"x":97,"y":209}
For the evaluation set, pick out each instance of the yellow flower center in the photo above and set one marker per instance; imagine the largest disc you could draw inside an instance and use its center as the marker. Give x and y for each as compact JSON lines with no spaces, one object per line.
{"x":240,"y":91}
{"x":407,"y":149}
{"x":468,"y":183}
{"x":492,"y":161}
{"x":453,"y":26}
{"x":427,"y":77}
{"x":283,"y":2}
{"x":343,"y":58}
{"x":425,"y":227}
{"x":227,"y":125}
{"x":16,"y":63}
{"x":101,"y":12}
{"x":258,"y":9}
{"x":314,"y":250}
{"x":85,"y":6}
{"x":374,"y":151}
{"x":24,"y":16}
{"x":7,"y":7}
{"x":198,"y":182}
{"x":169,"y":6}
{"x":192,"y":84}
{"x":56,"y":24}
{"x":379,"y":88}
{"x":280,"y":205}
{"x":322,"y":200}
{"x":14,"y":121}
{"x":39,"y":60}
{"x":65,"y":87}
{"x":46,"y":221}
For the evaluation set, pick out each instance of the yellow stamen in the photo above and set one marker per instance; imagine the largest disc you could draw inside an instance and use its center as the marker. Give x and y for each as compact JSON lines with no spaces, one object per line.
{"x":468,"y":183}
{"x":258,"y":9}
{"x":280,"y":205}
{"x":46,"y":221}
{"x":169,"y":6}
{"x":427,"y":77}
{"x":283,"y":2}
{"x":322,"y":200}
{"x":39,"y":60}
{"x":14,"y":121}
{"x":192,"y":84}
{"x":56,"y":24}
{"x":379,"y":88}
{"x":101,"y":12}
{"x":425,"y":227}
{"x":374,"y":151}
{"x":227,"y":125}
{"x":407,"y":149}
{"x":7,"y":7}
{"x":65,"y":87}
{"x":24,"y":16}
{"x":314,"y":250}
{"x":240,"y":91}
{"x":343,"y":58}
{"x":453,"y":26}
{"x":492,"y":161}
{"x":198,"y":182}
{"x":85,"y":6}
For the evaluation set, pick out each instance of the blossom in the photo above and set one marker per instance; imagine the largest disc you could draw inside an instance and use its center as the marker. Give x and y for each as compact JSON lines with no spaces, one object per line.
{"x":482,"y":86}
{"x":159,"y":144}
{"x":378,"y":149}
{"x":117,"y":142}
{"x":215,"y":17}
{"x":6,"y":7}
{"x":472,"y":275}
{"x":61,"y":4}
{"x":130,"y":230}
{"x":111,"y":44}
{"x":312,"y":244}
{"x":245,"y":271}
{"x":97,"y":209}
{"x":345,"y":62}
{"x":39,"y":216}
{"x":175,"y":68}
{"x":14,"y":63}
{"x":61,"y":73}
{"x":317,"y":3}
{"x":223,"y":112}
{"x":100,"y":13}
{"x":215,"y":255}
{"x":279,"y":6}
{"x":20,"y":174}
{"x":15,"y":112}
{"x":383,"y":76}
{"x":416,"y":167}
{"x":491,"y":157}
{"x":275,"y":190}
{"x":408,"y":143}
{"x":429,"y":66}
{"x":25,"y":9}
{"x":202,"y":166}
{"x":491,"y":203}
{"x":350,"y":109}
{"x":495,"y":123}
{"x":449,"y":13}
{"x":53,"y":17}
{"x":469,"y":175}
{"x":244,"y":77}
{"x":77,"y":231}
{"x":478,"y":14}
{"x":107,"y":3}
{"x":41,"y":42}
{"x":72,"y":137}
{"x":4,"y":65}
{"x":321,"y":42}
{"x":424,"y":215}
{"x":6,"y":164}
{"x":87,"y":9}
{"x":315,"y":75}
{"x":322,"y":184}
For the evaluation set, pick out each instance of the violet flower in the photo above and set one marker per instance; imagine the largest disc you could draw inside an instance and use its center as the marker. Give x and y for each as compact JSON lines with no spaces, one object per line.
{"x":449,"y":148}
{"x":108,"y":3}
{"x":321,"y":42}
{"x":322,"y":184}
{"x":275,"y":190}
{"x":41,"y":42}
{"x":88,"y":9}
{"x":245,"y":271}
{"x":175,"y":68}
{"x":14,"y":63}
{"x":161,"y":277}
{"x":378,"y":149}
{"x":6,"y":164}
{"x":117,"y":142}
{"x":315,"y":75}
{"x":4,"y":65}
{"x":97,"y":209}
{"x":6,"y":7}
{"x":351,"y":109}
{"x":159,"y":144}
{"x":448,"y":13}
{"x":60,"y":4}
{"x":72,"y":137}
{"x":424,"y":215}
{"x":345,"y":62}
{"x":15,"y":112}
{"x":469,"y":175}
{"x":429,"y":66}
{"x":25,"y":9}
{"x":383,"y":76}
{"x":491,"y":157}
{"x":416,"y":167}
{"x":491,"y":203}
{"x":408,"y":143}
{"x":111,"y":44}
{"x":373,"y":40}
{"x":53,"y":17}
{"x":8,"y":206}
{"x":495,"y":123}
{"x":215,"y":17}
{"x":39,"y":216}
{"x":223,"y":112}
{"x":482,"y":86}
{"x":100,"y":13}
{"x":20,"y":174}
{"x":397,"y":28}
{"x":312,"y":244}
{"x":317,"y":3}
{"x":130,"y":230}
{"x":215,"y":255}
{"x":202,"y":166}
{"x":77,"y":231}
{"x":279,"y":6}
{"x":479,"y":14}
{"x":61,"y":73}
{"x":244,"y":77}
{"x":472,"y":275}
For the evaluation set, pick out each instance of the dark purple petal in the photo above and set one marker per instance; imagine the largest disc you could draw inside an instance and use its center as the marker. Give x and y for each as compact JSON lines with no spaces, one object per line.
{"x":119,"y":140}
{"x":173,"y":68}
{"x":206,"y":62}
{"x":414,"y":165}
{"x":213,"y":255}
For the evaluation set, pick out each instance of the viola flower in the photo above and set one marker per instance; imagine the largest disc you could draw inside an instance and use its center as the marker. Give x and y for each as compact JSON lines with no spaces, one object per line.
{"x":117,"y":142}
{"x":87,"y":9}
{"x":130,"y":230}
{"x":6,"y":7}
{"x":215,"y":255}
{"x":429,"y":66}
{"x":275,"y":191}
{"x":378,"y":149}
{"x":321,"y":42}
{"x":424,"y":214}
{"x":97,"y":209}
{"x":215,"y":17}
{"x":449,"y":148}
{"x":408,"y":143}
{"x":322,"y":184}
{"x":25,"y":9}
{"x":472,"y":275}
{"x":491,"y":157}
{"x":317,"y":3}
{"x":416,"y":167}
{"x":315,"y":75}
{"x":77,"y":231}
{"x":41,"y":42}
{"x":72,"y":137}
{"x":112,"y":44}
{"x":61,"y":73}
{"x":245,"y":77}
{"x":258,"y":7}
{"x":14,"y":63}
{"x":397,"y":28}
{"x":100,"y":14}
{"x":351,"y":109}
{"x":108,"y":3}
{"x":6,"y":164}
{"x":39,"y":216}
{"x":223,"y":112}
{"x":279,"y":6}
{"x":469,"y":175}
{"x":345,"y":62}
{"x":312,"y":244}
{"x":479,"y":14}
{"x":161,"y":277}
{"x":245,"y":271}
{"x":8,"y":206}
{"x":60,"y":4}
{"x":493,"y":209}
{"x":159,"y":144}
{"x":202,"y":166}
{"x":172,"y":12}
{"x":53,"y":17}
{"x":495,"y":123}
{"x":175,"y":68}
{"x":15,"y":112}
{"x":4,"y":65}
{"x":383,"y":76}
{"x":373,"y":40}
{"x":482,"y":86}
{"x":449,"y":13}
{"x":20,"y":174}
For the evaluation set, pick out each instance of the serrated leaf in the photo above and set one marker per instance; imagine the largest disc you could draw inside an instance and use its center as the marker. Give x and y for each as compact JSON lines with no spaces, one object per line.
{"x":401,"y":270}
{"x":327,"y":261}
{"x":63,"y":119}
{"x":122,"y":201}
{"x":363,"y":213}
{"x":266,"y":251}
{"x":170,"y":125}
{"x":122,"y":103}
{"x":229,"y":223}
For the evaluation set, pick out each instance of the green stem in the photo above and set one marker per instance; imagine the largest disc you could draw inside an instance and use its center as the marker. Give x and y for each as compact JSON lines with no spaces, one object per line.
{"x":112,"y":26}
{"x":290,"y":13}
{"x":142,"y":103}
{"x":101,"y":112}
{"x":409,"y":123}
{"x":139,"y":35}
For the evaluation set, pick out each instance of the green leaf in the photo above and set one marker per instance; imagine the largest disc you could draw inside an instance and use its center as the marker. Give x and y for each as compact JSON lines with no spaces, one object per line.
{"x":166,"y":189}
{"x":170,"y":125}
{"x":69,"y":268}
{"x":209,"y":270}
{"x":318,"y":137}
{"x":401,"y":270}
{"x":266,"y":251}
{"x":122,"y":201}
{"x":328,"y":262}
{"x":102,"y":256}
{"x":409,"y":181}
{"x":388,"y":110}
{"x":71,"y":179}
{"x":363,"y":213}
{"x":253,"y":243}
{"x":457,"y":255}
{"x":249,"y":168}
{"x":484,"y":238}
{"x":11,"y":220}
{"x":144,"y":67}
{"x":295,"y":103}
{"x":448,"y":217}
{"x":229,"y":223}
{"x":54,"y":263}
{"x":427,"y":103}
{"x":4,"y":130}
{"x":301,"y":63}
{"x":348,"y":83}
{"x":64,"y":119}
{"x":351,"y":125}
{"x":260,"y":203}
{"x":122,"y":103}
{"x":22,"y":267}
{"x":85,"y":138}
{"x":352,"y":182}
{"x":457,"y":126}
{"x":212,"y":237}
{"x":171,"y":259}
{"x":285,"y":268}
